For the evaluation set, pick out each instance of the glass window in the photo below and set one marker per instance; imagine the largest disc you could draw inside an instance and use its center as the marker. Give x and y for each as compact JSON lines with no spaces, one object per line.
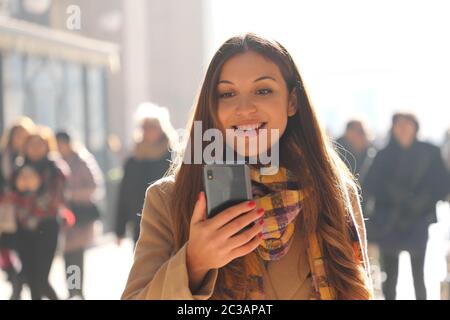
{"x":71,"y":112}
{"x":96,"y":112}
{"x":43,"y":90}
{"x":13,"y":92}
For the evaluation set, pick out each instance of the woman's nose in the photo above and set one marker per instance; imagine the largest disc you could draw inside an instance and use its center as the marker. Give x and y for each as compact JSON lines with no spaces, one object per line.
{"x":245,"y":106}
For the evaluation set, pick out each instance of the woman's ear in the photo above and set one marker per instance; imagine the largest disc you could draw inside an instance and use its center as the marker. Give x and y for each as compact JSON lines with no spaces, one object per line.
{"x":292,"y":104}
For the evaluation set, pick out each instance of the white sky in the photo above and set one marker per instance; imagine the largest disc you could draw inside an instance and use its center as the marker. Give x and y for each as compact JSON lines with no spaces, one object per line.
{"x":357,"y":57}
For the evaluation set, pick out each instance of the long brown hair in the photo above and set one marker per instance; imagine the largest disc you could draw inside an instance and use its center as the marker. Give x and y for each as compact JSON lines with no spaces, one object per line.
{"x":304,"y":149}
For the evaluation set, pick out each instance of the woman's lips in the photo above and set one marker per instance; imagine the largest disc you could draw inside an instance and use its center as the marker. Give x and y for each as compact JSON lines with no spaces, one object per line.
{"x":248,"y":130}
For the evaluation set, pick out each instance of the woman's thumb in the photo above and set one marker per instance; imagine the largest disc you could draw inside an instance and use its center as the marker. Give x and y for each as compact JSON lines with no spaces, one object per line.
{"x":199,"y":213}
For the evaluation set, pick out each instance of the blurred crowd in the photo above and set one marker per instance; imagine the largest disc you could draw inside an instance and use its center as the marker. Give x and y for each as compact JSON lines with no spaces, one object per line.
{"x":49,"y":191}
{"x":50,"y":188}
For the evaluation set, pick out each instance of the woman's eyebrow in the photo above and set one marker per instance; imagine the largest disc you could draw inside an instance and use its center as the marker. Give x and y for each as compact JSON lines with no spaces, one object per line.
{"x":259,"y":79}
{"x":225,"y":81}
{"x":265,"y":78}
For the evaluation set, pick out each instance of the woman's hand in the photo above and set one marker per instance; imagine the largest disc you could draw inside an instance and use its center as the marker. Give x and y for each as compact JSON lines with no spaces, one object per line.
{"x":215,"y":242}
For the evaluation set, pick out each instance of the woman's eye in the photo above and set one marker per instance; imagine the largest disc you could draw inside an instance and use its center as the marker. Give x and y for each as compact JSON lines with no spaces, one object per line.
{"x":226,"y":95}
{"x":263,"y":92}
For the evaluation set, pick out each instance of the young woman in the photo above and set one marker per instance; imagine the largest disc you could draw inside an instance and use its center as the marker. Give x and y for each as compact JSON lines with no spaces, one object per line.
{"x":309,"y":239}
{"x":12,"y":149}
{"x":148,"y":163}
{"x":38,"y":186}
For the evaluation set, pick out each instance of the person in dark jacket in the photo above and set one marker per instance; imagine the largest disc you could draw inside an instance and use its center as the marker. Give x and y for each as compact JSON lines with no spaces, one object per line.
{"x":406,"y":179}
{"x":148,"y":163}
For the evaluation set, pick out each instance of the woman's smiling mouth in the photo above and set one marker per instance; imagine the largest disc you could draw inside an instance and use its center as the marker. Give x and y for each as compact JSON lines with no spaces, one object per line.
{"x":248,"y":129}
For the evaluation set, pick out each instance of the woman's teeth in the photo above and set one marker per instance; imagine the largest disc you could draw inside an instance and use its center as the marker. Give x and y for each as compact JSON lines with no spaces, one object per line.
{"x":248,"y":130}
{"x":249,"y":126}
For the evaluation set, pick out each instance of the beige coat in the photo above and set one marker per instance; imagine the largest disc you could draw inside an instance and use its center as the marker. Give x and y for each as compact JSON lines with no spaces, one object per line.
{"x":160,"y":273}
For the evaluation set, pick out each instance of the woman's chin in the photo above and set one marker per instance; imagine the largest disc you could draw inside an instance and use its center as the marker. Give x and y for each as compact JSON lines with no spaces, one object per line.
{"x":251,"y":153}
{"x":252,"y":150}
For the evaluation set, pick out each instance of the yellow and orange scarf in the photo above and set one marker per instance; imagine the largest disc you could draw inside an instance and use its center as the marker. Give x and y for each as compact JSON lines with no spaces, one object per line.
{"x":281,"y":198}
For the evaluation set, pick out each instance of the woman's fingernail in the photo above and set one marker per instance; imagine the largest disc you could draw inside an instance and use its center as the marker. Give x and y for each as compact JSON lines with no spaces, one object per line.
{"x":260,"y":235}
{"x":261,"y":222}
{"x":260,"y":211}
{"x":251,"y":203}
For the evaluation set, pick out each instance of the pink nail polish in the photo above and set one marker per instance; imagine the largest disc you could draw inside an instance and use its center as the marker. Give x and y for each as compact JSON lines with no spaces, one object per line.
{"x":251,"y":203}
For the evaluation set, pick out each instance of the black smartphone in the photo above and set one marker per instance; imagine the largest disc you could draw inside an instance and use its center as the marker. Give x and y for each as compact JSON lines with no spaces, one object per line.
{"x":226,"y":185}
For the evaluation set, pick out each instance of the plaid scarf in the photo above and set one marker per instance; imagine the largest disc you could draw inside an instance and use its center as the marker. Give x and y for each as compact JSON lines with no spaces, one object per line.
{"x":281,"y":197}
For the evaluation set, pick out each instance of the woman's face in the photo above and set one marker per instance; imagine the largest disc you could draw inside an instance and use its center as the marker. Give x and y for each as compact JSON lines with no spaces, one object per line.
{"x":252,"y":98}
{"x":36,"y":149}
{"x":18,"y":139}
{"x":151,"y":131}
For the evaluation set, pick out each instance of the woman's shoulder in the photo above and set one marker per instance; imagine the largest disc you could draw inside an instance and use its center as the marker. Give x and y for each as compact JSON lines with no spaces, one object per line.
{"x":160,"y":191}
{"x":164,"y":184}
{"x":157,"y":206}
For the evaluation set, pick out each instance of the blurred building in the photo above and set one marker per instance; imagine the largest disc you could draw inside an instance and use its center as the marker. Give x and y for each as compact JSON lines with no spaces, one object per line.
{"x":57,"y":78}
{"x":85,"y":66}
{"x":162,"y":53}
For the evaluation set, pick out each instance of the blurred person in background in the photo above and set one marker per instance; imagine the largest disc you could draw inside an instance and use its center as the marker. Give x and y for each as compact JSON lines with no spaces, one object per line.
{"x":446,"y":151}
{"x":38,"y":186}
{"x":406,"y":179}
{"x":84,"y":189}
{"x":12,"y":147}
{"x":149,"y":162}
{"x":357,"y":151}
{"x":445,"y":284}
